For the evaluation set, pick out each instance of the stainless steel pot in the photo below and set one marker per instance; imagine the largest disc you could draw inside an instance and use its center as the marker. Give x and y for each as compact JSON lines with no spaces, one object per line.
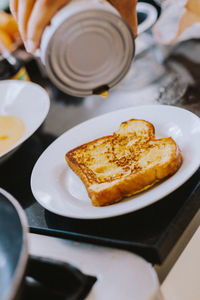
{"x":26,"y":277}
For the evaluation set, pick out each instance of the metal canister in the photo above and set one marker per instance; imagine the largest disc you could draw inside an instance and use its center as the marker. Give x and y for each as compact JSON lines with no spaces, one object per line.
{"x":88,"y":48}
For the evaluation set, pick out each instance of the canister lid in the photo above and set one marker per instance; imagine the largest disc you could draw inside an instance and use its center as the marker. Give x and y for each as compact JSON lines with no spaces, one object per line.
{"x":89,"y":53}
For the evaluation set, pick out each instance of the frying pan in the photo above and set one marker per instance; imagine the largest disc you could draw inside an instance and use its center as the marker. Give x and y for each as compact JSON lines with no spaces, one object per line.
{"x":50,"y":279}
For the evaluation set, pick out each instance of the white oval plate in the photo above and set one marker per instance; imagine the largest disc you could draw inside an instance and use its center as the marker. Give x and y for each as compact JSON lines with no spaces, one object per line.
{"x":60,"y":191}
{"x":25,"y":100}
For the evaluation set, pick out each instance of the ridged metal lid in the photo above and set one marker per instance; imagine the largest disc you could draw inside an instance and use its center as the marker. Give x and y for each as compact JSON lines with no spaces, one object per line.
{"x":89,"y":53}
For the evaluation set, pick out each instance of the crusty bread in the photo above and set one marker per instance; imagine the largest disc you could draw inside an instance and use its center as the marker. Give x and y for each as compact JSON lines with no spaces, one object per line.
{"x":125,"y":163}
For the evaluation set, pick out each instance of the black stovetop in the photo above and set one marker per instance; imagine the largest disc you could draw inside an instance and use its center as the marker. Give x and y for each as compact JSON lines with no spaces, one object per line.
{"x":151,"y":232}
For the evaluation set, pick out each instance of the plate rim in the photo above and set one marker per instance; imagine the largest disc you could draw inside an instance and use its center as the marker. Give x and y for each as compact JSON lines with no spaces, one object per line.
{"x":125,"y":211}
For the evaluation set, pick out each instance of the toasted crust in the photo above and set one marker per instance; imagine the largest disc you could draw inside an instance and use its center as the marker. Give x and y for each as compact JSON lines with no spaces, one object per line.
{"x":125,"y":163}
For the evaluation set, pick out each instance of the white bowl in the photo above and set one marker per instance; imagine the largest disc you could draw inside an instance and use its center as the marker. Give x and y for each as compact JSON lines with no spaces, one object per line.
{"x":27,"y":101}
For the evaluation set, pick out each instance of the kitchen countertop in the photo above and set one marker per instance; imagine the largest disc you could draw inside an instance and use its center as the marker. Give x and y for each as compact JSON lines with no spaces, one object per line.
{"x":182,"y":282}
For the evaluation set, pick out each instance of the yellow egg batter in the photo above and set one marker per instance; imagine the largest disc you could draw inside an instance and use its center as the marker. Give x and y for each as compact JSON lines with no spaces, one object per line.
{"x":104,"y":94}
{"x":11,"y":130}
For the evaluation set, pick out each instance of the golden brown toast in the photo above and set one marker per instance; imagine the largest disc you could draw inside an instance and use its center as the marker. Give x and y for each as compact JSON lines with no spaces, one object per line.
{"x":125,"y":163}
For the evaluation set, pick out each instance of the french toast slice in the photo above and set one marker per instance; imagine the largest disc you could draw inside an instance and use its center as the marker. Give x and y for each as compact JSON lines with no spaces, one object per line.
{"x":125,"y":163}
